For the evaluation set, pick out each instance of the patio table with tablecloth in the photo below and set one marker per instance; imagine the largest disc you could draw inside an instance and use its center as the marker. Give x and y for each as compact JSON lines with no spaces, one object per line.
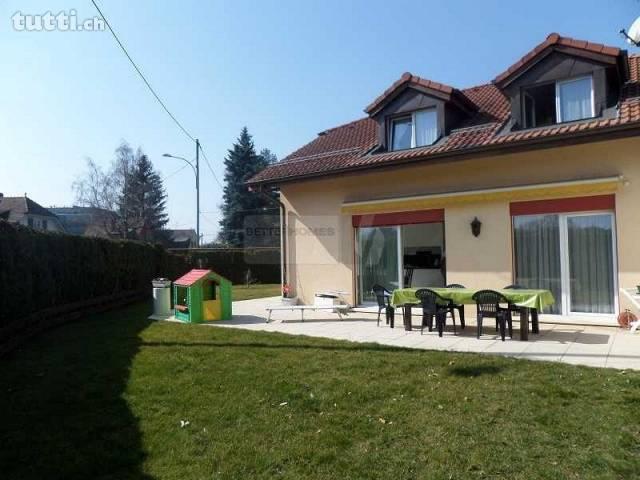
{"x":527,"y":299}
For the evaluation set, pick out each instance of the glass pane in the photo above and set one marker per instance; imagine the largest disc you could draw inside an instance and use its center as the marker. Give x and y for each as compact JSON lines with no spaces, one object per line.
{"x":575,"y":99}
{"x":590,"y":239}
{"x":537,"y":255}
{"x":426,"y":127}
{"x":378,"y":259}
{"x":401,"y":135}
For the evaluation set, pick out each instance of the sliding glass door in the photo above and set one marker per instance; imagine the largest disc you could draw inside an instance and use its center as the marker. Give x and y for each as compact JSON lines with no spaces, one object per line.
{"x":590,"y":263}
{"x":573,"y":255}
{"x":537,"y":254}
{"x":378,"y":260}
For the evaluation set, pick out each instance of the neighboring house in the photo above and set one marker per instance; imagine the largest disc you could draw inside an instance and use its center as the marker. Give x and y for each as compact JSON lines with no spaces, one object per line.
{"x":185,"y":238}
{"x":546,"y":157}
{"x":87,"y":221}
{"x":24,"y":211}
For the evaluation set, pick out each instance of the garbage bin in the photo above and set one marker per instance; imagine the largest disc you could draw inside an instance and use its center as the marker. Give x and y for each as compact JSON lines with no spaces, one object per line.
{"x":161,"y":297}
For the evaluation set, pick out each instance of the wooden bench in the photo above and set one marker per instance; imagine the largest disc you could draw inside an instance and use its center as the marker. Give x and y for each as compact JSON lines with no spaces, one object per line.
{"x":339,"y":309}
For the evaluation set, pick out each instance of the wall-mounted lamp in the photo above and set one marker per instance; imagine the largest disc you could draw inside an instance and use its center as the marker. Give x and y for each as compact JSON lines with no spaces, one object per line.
{"x":476,"y":225}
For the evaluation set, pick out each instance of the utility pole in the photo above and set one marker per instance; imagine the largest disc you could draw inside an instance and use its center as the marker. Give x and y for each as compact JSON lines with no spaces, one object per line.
{"x":198,"y":190}
{"x":196,"y":171}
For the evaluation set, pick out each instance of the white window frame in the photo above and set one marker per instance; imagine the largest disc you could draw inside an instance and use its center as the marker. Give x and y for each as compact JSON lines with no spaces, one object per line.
{"x":392,"y":132}
{"x":559,"y":103}
{"x":412,"y":115}
{"x":565,"y":274}
{"x":359,"y":292}
{"x":566,"y":266}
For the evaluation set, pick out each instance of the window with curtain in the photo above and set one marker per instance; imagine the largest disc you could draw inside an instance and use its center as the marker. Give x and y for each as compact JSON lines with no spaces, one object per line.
{"x":569,"y":254}
{"x":426,"y":127}
{"x":417,"y":130}
{"x":591,"y":275}
{"x":537,"y":254}
{"x":574,"y":99}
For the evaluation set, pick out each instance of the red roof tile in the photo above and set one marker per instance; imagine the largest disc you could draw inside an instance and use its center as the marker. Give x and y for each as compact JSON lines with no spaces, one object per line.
{"x":359,"y":134}
{"x":634,"y":68}
{"x":353,"y":145}
{"x":552,"y":40}
{"x":492,"y":104}
{"x":407,"y":79}
{"x":192,"y":277}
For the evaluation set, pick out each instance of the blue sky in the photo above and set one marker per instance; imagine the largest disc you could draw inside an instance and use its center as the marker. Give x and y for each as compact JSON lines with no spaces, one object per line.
{"x":285,"y":69}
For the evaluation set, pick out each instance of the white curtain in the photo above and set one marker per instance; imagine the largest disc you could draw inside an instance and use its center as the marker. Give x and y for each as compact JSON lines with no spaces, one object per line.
{"x":589,"y":247}
{"x":426,"y":127}
{"x":537,"y":254}
{"x":591,"y":263}
{"x":575,"y":99}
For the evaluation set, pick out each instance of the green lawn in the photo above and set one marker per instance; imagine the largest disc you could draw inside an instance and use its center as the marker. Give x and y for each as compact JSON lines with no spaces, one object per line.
{"x":104,"y":398}
{"x":241,"y":292}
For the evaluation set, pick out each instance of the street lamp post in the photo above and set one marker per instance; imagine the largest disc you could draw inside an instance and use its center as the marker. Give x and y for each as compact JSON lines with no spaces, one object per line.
{"x":196,"y":171}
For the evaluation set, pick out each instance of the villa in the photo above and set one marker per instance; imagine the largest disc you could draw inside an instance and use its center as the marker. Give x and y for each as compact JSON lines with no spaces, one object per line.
{"x":532,"y":178}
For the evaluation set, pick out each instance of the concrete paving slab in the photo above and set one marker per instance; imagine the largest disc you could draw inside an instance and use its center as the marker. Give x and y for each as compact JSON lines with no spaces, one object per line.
{"x":591,"y":345}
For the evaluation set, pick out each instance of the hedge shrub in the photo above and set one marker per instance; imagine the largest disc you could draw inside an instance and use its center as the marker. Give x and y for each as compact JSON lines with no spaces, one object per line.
{"x":233,"y":263}
{"x":41,"y":270}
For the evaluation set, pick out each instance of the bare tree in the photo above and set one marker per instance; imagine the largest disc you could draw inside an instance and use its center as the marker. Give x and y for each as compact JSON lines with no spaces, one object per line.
{"x":94,"y":188}
{"x":106,"y":189}
{"x":130,"y":193}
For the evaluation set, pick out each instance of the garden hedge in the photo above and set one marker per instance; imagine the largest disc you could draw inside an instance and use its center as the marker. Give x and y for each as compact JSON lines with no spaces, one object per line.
{"x":42,"y":270}
{"x":234,"y":263}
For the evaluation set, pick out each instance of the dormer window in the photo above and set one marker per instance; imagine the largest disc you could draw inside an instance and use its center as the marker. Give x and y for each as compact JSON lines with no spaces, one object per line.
{"x":402,"y":133}
{"x":416,"y":130}
{"x":575,"y":99}
{"x":556,"y":102}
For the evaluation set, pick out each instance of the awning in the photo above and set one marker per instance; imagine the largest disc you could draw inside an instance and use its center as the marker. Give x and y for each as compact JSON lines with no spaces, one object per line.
{"x":572,"y":188}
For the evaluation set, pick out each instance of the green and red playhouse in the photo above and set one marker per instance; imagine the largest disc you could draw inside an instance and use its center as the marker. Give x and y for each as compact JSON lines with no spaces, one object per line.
{"x":202,"y":296}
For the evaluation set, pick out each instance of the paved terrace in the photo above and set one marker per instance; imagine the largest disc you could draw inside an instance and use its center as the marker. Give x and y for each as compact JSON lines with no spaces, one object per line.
{"x":594,"y":346}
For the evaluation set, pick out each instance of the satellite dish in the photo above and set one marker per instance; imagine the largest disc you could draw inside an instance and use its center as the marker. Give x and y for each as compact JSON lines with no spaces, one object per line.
{"x":633,"y":35}
{"x":634,"y":32}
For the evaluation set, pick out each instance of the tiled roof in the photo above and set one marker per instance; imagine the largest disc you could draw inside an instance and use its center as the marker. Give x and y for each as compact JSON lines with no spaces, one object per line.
{"x":556,"y":40}
{"x":360,"y":134}
{"x":20,"y":206}
{"x":634,"y":68}
{"x":354,"y":145}
{"x":408,"y":79}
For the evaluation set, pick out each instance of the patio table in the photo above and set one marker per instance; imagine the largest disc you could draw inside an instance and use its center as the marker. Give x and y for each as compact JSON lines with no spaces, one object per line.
{"x":527,"y":299}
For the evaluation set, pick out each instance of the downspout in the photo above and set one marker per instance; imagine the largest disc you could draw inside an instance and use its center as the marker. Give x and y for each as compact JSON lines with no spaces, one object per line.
{"x":283,"y":241}
{"x":283,"y":232}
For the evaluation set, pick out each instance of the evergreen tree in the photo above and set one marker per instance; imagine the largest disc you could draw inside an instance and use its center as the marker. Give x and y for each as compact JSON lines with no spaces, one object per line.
{"x":268,"y":156}
{"x":143,"y":200}
{"x":121,"y":172}
{"x":243,"y":210}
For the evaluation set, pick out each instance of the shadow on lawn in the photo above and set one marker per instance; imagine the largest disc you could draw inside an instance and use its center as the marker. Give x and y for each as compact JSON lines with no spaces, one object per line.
{"x":475,"y":371}
{"x":359,"y":347}
{"x":62,"y":409}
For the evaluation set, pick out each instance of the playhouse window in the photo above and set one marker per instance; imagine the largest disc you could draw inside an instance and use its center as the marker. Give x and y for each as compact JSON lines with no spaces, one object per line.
{"x":182,"y":296}
{"x":209,"y":291}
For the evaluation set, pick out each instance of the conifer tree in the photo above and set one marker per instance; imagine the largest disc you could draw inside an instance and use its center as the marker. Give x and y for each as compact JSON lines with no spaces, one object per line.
{"x":242,"y":207}
{"x":143,"y":200}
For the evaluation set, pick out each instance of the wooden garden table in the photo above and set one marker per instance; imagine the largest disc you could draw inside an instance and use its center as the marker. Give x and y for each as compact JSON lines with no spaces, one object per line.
{"x":527,"y":299}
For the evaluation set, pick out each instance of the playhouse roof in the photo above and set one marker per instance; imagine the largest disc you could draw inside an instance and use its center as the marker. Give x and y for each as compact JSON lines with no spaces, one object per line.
{"x":192,"y":277}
